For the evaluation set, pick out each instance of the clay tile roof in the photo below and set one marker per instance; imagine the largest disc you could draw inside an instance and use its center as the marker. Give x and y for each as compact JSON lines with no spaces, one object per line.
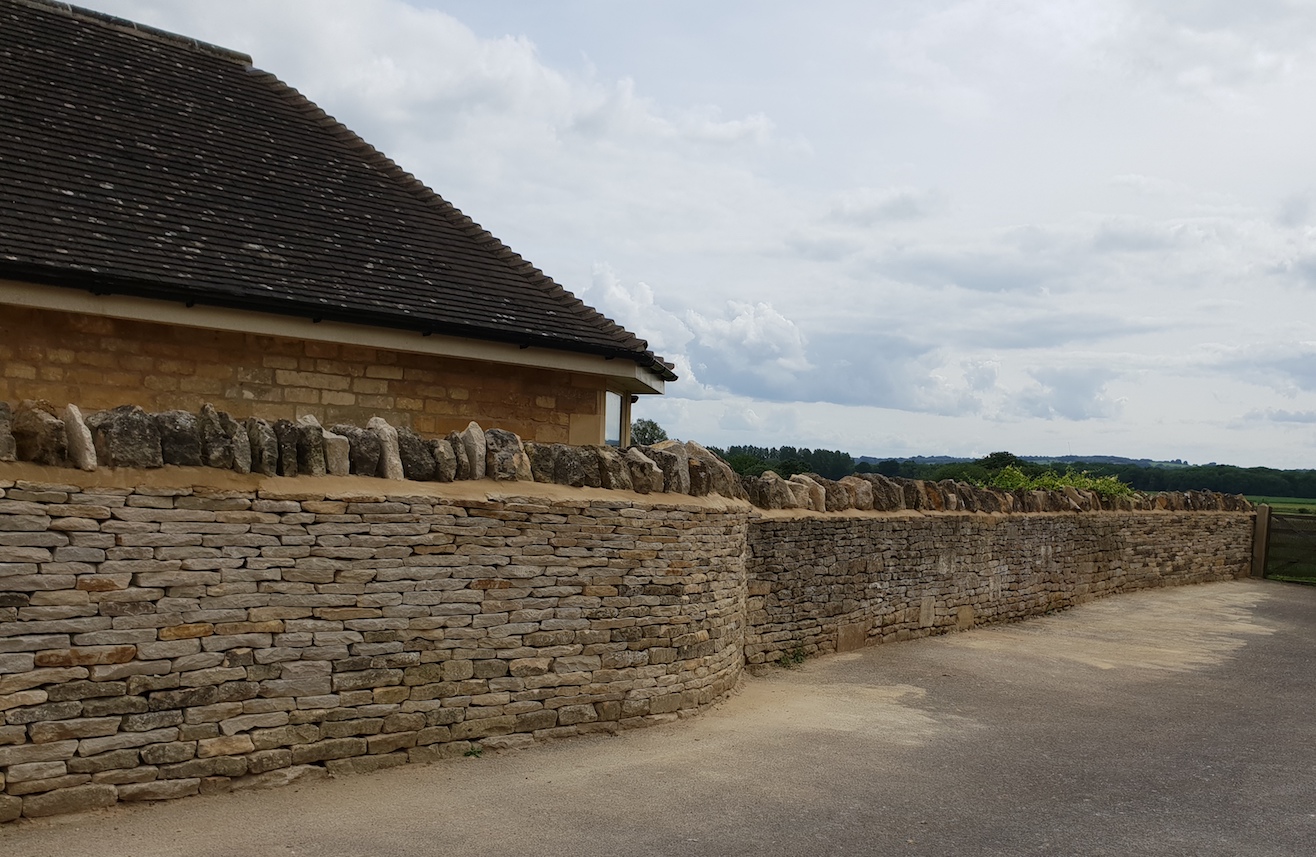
{"x":139,"y":162}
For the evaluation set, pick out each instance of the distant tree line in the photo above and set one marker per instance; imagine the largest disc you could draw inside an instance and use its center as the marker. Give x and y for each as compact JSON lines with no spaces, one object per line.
{"x":786,"y":461}
{"x":1254,"y":481}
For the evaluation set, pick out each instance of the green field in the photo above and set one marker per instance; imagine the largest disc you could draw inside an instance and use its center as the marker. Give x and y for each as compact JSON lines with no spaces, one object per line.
{"x":1287,"y":505}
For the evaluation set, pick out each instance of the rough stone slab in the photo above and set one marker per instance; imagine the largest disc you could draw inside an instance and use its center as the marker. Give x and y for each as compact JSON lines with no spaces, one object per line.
{"x":280,"y":777}
{"x":337,"y":454}
{"x":473,"y":442}
{"x":81,"y":448}
{"x":264,"y":447}
{"x":8,"y":450}
{"x":310,"y":447}
{"x":65,"y":801}
{"x":161,"y":789}
{"x":39,"y":434}
{"x":390,"y":461}
{"x":126,"y":436}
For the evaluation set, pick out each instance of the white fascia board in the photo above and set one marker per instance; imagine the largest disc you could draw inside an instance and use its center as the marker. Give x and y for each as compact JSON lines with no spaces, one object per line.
{"x":622,"y":374}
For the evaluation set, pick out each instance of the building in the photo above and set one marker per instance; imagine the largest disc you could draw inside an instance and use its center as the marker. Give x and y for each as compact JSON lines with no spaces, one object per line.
{"x":178,"y":227}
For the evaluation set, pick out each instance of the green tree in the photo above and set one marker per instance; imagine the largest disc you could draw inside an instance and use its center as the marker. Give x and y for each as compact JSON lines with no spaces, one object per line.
{"x":646,"y":432}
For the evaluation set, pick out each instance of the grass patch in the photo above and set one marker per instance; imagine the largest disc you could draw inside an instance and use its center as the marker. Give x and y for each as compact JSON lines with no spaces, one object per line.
{"x":791,"y":660}
{"x":1287,"y":505}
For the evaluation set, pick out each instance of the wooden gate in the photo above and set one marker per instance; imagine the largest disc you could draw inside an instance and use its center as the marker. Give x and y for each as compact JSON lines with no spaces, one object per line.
{"x":1291,"y":548}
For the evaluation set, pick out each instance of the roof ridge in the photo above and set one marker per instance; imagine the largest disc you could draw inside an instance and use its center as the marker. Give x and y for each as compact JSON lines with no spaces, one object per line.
{"x":134,"y":28}
{"x":625,"y":340}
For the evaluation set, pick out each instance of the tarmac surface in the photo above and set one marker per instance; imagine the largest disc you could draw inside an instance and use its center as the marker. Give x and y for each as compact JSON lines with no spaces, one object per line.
{"x":1172,"y":722}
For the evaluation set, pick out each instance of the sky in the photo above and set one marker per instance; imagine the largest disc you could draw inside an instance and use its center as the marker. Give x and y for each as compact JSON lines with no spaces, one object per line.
{"x":1051,"y":227}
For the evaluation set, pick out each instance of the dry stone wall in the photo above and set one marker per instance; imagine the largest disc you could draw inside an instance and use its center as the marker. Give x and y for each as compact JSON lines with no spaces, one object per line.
{"x":824,"y":584}
{"x":160,"y":641}
{"x":163,"y":642}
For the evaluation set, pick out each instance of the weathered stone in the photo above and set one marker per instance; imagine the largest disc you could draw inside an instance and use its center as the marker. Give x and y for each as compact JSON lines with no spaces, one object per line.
{"x":81,"y":448}
{"x":417,"y":460}
{"x":459,"y":453}
{"x":816,"y":495}
{"x":364,"y":448}
{"x":216,"y":444}
{"x":180,"y":438}
{"x":445,"y":460}
{"x":161,"y":789}
{"x":861,"y":492}
{"x":473,"y":439}
{"x":543,"y":460}
{"x":721,"y":478}
{"x":337,"y":454}
{"x":390,"y":462}
{"x":8,"y":450}
{"x":673,"y":459}
{"x":64,"y":801}
{"x":614,"y":473}
{"x":126,"y":436}
{"x":10,"y":808}
{"x":310,"y":447}
{"x":835,"y":495}
{"x":646,"y":476}
{"x":39,"y":435}
{"x":505,"y":458}
{"x":778,"y":492}
{"x":237,"y":433}
{"x":887,"y":495}
{"x":264,"y":447}
{"x":287,"y":435}
{"x":577,"y":466}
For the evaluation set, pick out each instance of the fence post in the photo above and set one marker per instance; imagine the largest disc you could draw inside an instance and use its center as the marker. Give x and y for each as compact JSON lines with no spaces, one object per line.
{"x":1260,"y":540}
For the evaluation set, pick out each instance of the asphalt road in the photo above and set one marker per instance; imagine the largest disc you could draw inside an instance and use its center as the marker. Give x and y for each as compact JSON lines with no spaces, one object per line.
{"x":1174,"y":722}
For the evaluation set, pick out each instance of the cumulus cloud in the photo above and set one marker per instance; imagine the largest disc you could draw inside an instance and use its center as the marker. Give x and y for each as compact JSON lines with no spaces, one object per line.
{"x":868,"y":206}
{"x":1071,"y":393}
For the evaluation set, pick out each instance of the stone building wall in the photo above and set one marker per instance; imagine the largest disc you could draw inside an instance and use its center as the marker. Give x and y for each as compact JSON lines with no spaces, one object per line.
{"x":824,"y":584}
{"x":161,"y":641}
{"x":95,"y":361}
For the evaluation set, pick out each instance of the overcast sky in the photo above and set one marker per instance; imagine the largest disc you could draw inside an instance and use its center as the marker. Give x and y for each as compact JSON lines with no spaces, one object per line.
{"x":1051,"y":227}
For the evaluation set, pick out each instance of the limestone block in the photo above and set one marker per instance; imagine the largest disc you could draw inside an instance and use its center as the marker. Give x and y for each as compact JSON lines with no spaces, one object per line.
{"x":887,"y":495}
{"x":614,"y":473}
{"x":445,"y":460}
{"x":473,"y":439}
{"x":417,"y":460}
{"x":216,"y":444}
{"x":861,"y":492}
{"x":814,"y":495}
{"x":781,"y":494}
{"x":364,"y":449}
{"x":577,"y":466}
{"x":673,"y":459}
{"x":264,"y":447}
{"x":64,"y":801}
{"x":126,"y":436}
{"x":337,"y":454}
{"x":39,"y":435}
{"x":543,"y":460}
{"x":310,"y":447}
{"x":82,"y":450}
{"x":180,"y":438}
{"x":723,"y":479}
{"x":505,"y":457}
{"x":646,"y":476}
{"x":287,"y":434}
{"x":237,"y":432}
{"x":459,"y":452}
{"x":8,"y":451}
{"x":390,"y":462}
{"x":10,"y":808}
